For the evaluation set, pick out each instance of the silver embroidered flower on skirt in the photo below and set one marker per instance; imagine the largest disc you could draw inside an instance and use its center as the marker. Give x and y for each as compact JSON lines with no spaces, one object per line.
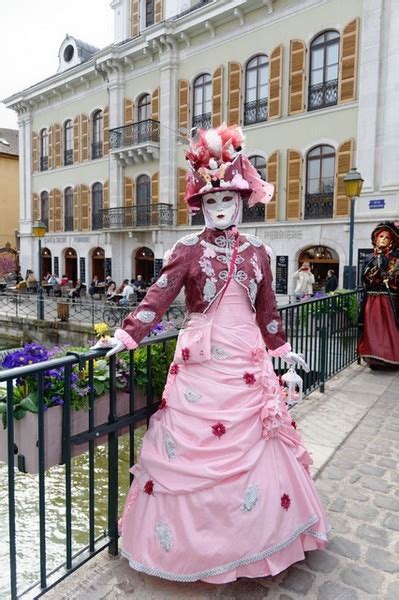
{"x":145,"y":316}
{"x":219,"y":353}
{"x":250,"y":498}
{"x":209,"y":290}
{"x":192,"y":396}
{"x":170,"y":446}
{"x":162,"y":282}
{"x":272,"y":327}
{"x":253,"y":290}
{"x":164,"y":535}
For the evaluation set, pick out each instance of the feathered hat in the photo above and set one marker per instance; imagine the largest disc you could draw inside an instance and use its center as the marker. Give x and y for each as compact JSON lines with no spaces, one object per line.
{"x":389,"y":226}
{"x":217,"y":163}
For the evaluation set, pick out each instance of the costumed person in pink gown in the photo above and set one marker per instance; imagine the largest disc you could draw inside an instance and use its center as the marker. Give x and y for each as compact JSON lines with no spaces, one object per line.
{"x":222,"y":487}
{"x":379,"y":317}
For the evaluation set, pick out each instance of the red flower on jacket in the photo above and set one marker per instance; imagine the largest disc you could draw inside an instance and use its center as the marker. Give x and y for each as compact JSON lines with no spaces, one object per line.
{"x":219,"y":429}
{"x":149,"y":487}
{"x":185,"y":354}
{"x":163,"y":404}
{"x":174,"y":369}
{"x":293,"y":423}
{"x":249,"y":378}
{"x":285,"y":501}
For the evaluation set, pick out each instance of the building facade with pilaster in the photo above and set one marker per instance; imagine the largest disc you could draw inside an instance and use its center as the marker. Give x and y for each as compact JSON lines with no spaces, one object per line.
{"x":313,"y":83}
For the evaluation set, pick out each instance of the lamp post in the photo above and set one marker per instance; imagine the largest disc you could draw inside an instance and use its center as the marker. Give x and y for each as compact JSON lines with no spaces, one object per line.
{"x":39,"y":230}
{"x":353,"y":186}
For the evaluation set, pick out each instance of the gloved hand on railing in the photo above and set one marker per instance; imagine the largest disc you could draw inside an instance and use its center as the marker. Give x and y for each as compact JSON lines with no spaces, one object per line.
{"x":298,"y":360}
{"x":109,"y":342}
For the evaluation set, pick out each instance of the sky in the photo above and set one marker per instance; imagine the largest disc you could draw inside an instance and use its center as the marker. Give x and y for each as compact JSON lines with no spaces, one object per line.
{"x":31,"y":32}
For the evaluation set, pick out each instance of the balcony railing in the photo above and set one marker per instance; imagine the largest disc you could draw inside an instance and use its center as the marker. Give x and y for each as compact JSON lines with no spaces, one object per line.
{"x":68,"y":223}
{"x":255,"y":214}
{"x":255,"y":111}
{"x":192,"y":8}
{"x":153,"y":215}
{"x":134,"y":134}
{"x":96,"y":150}
{"x":68,"y":157}
{"x":204,"y":121}
{"x":44,"y":163}
{"x":322,"y":95}
{"x":319,"y":206}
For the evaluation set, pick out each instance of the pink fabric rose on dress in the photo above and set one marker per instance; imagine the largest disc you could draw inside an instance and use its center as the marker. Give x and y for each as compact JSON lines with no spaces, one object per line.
{"x":218,"y":429}
{"x":249,"y":378}
{"x":285,"y":501}
{"x":257,"y":355}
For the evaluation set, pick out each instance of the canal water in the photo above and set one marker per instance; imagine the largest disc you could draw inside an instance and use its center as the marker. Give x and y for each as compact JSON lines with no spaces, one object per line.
{"x":27,"y":514}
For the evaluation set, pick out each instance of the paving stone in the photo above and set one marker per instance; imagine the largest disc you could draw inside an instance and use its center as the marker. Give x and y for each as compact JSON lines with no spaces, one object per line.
{"x":337,"y":505}
{"x":362,"y":578}
{"x":298,"y":581}
{"x":321,"y":561}
{"x":394,"y":475}
{"x":340,"y":524}
{"x":357,"y":445}
{"x":381,"y":560}
{"x":342,"y":463}
{"x":362,"y":512}
{"x":378,"y":485}
{"x":353,"y":493}
{"x":387,"y":502}
{"x":243,"y":588}
{"x":344,"y":547}
{"x":371,"y":470}
{"x":353,"y":478}
{"x":330,"y":590}
{"x":389,"y":463}
{"x":334,"y":473}
{"x":393,"y":591}
{"x":374,"y":535}
{"x":392,"y":522}
{"x":285,"y":597}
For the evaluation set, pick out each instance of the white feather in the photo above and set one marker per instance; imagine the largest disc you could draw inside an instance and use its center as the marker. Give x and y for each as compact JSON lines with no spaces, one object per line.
{"x":214,"y":142}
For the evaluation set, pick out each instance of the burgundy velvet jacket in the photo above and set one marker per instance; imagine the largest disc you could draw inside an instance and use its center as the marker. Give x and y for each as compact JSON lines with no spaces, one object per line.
{"x":200,"y":263}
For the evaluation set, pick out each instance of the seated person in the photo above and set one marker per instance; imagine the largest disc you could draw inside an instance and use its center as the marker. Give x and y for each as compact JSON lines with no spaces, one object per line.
{"x":64,"y":281}
{"x":93,"y":285}
{"x":31,"y":281}
{"x":126,"y":293}
{"x":111,"y":291}
{"x":75,"y":293}
{"x":139,"y":286}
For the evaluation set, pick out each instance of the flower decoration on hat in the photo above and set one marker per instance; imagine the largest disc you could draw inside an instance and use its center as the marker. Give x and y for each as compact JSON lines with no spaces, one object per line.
{"x":218,"y":163}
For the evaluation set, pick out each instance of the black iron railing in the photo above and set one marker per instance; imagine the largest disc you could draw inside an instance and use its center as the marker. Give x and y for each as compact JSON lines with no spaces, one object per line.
{"x":203,"y":121}
{"x":319,"y":206}
{"x":68,"y":157}
{"x":44,"y":163}
{"x":134,"y":134}
{"x":192,"y":8}
{"x":322,"y":95}
{"x":97,"y":220}
{"x":68,"y":223}
{"x":255,"y":111}
{"x":255,"y":214}
{"x":152,"y":215}
{"x":96,"y":150}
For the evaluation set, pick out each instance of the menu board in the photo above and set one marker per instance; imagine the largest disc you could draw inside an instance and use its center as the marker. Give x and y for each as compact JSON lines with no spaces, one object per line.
{"x":108,"y":267}
{"x":56,"y":266}
{"x":281,"y":274}
{"x":82,"y":269}
{"x":363,"y":255}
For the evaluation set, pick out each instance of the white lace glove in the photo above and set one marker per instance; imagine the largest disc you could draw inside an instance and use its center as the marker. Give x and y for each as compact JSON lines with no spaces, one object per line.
{"x":298,"y":360}
{"x":110,"y":342}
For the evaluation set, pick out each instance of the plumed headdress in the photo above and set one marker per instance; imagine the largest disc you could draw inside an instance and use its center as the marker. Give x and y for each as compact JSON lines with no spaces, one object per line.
{"x":217,"y":163}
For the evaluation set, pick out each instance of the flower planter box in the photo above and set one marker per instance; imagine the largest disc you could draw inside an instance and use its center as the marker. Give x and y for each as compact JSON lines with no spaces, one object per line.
{"x":26,"y":456}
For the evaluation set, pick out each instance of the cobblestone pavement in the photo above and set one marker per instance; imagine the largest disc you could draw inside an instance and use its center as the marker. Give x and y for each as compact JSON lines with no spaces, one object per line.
{"x":353,"y":430}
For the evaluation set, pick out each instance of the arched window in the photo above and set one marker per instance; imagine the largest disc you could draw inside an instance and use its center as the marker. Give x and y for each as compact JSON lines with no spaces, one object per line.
{"x":68,"y":209}
{"x":324,"y":61}
{"x":149,"y":13}
{"x":202,"y":107}
{"x":256,"y":90}
{"x":97,"y":135}
{"x":319,"y":197}
{"x":143,"y":202}
{"x":44,"y":208}
{"x":257,"y":212}
{"x":97,"y":206}
{"x":144,"y":107}
{"x":44,"y":150}
{"x":68,"y":142}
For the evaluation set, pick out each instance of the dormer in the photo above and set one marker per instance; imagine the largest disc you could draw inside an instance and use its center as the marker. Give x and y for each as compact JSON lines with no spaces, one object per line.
{"x":73,"y":52}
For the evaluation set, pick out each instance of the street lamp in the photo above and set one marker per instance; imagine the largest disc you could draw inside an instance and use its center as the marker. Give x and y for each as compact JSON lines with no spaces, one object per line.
{"x":39,"y":230}
{"x":353,"y":186}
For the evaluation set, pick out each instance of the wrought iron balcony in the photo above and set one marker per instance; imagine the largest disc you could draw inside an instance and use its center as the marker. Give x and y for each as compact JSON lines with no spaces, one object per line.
{"x":68,"y":223}
{"x":44,"y":163}
{"x":96,"y":150}
{"x":322,"y":95}
{"x":319,"y":206}
{"x":192,"y":8}
{"x":68,"y":157}
{"x":129,"y":217}
{"x":204,"y":121}
{"x":255,"y":214}
{"x":255,"y":111}
{"x":135,"y":143}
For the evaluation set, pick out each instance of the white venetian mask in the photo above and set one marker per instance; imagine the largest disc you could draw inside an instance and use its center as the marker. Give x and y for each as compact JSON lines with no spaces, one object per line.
{"x":221,"y":209}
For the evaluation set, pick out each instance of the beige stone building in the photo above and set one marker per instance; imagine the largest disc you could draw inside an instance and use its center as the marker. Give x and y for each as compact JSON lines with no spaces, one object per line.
{"x":313,"y":83}
{"x":9,"y":199}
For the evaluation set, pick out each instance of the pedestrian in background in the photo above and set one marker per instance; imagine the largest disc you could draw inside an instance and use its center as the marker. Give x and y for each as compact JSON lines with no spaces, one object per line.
{"x":331,"y":282}
{"x":304,"y":281}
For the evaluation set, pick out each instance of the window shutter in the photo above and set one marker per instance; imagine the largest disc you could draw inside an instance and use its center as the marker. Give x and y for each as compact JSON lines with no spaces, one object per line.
{"x":183,"y":103}
{"x":271,"y":212}
{"x":128,"y":110}
{"x":135,"y":17}
{"x":182,"y":212}
{"x":35,"y":207}
{"x":296,"y":101}
{"x":294,"y":184}
{"x":343,"y":162}
{"x":158,"y":11}
{"x":84,"y":206}
{"x":57,"y":210}
{"x":106,"y":131}
{"x":155,"y":209}
{"x":76,"y":139}
{"x":106,"y":195}
{"x":50,"y":146}
{"x":57,"y":144}
{"x":348,"y":62}
{"x":35,"y":152}
{"x":76,"y":208}
{"x":129,"y":202}
{"x":155,"y":105}
{"x":234,"y":95}
{"x":51,"y":211}
{"x":217,"y":97}
{"x":275,"y":74}
{"x":84,"y":125}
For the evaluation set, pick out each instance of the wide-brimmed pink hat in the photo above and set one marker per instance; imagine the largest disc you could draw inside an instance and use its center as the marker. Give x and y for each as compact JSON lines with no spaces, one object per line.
{"x":218,"y":164}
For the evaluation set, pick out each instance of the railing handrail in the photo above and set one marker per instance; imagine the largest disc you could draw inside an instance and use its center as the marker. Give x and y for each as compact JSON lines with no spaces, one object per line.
{"x":123,"y":127}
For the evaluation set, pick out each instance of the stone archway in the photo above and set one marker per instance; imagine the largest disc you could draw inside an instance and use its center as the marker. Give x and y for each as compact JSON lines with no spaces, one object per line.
{"x":322,"y":259}
{"x":71,"y":264}
{"x":144,"y":263}
{"x":98,"y":263}
{"x":46,"y":262}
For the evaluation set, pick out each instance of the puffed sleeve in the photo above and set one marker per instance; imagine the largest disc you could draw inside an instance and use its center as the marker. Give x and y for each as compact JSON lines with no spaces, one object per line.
{"x":158,"y":298}
{"x":267,"y":315}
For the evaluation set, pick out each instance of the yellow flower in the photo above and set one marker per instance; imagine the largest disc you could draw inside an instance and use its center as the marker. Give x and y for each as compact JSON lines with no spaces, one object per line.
{"x":101,"y":329}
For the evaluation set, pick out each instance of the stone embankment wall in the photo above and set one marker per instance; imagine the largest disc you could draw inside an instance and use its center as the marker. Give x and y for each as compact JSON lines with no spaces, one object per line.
{"x":17,"y":330}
